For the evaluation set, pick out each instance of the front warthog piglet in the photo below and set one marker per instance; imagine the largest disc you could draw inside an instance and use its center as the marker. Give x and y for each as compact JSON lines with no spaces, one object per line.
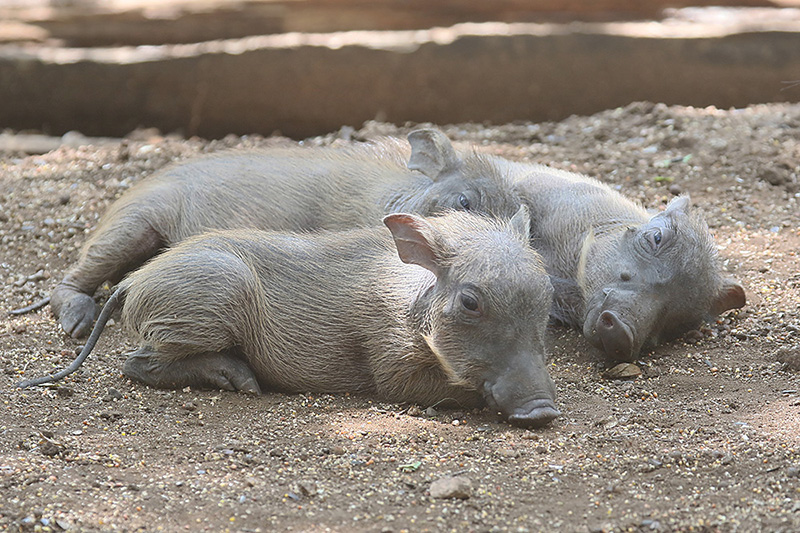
{"x":459,"y":316}
{"x":627,"y":279}
{"x":283,"y":189}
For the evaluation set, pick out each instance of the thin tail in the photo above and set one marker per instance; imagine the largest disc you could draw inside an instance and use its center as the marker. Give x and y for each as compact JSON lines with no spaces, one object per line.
{"x":111,"y":305}
{"x":35,"y":306}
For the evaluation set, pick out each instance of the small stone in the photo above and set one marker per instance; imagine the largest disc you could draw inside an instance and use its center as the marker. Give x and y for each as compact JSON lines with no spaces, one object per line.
{"x":250,"y":481}
{"x":307,"y":488}
{"x":189,"y":406}
{"x":459,"y":487}
{"x":507,"y":452}
{"x":789,"y":356}
{"x":694,"y":335}
{"x":774,"y":176}
{"x":430,"y":411}
{"x":414,"y":411}
{"x":675,"y":455}
{"x":793,"y":471}
{"x":20,"y":328}
{"x":113,"y":394}
{"x":63,"y":199}
{"x":64,"y":392}
{"x":675,"y":189}
{"x":49,"y":448}
{"x":338,"y":450}
{"x":623,"y":371}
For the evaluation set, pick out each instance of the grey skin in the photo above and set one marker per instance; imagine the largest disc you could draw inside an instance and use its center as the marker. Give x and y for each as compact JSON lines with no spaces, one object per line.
{"x":459,"y":316}
{"x":293,"y":189}
{"x":627,"y":279}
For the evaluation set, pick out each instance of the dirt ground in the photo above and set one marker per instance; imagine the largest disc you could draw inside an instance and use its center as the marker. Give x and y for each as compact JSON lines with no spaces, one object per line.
{"x":707,"y":439}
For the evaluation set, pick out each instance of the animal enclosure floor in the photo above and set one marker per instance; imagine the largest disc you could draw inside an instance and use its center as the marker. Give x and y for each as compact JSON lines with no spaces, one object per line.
{"x":706,"y":439}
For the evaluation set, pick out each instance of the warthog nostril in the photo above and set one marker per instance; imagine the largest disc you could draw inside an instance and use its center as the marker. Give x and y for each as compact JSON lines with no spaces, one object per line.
{"x":608,"y":320}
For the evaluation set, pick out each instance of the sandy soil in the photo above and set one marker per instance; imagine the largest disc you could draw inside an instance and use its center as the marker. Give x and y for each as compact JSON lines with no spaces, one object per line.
{"x":706,"y":439}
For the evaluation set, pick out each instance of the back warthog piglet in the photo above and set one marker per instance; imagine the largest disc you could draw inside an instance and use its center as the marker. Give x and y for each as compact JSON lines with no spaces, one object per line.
{"x":460,"y":316}
{"x":627,"y":279}
{"x":287,"y":189}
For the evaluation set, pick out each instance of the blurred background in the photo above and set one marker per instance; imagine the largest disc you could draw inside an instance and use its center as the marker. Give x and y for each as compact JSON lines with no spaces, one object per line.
{"x":307,"y":67}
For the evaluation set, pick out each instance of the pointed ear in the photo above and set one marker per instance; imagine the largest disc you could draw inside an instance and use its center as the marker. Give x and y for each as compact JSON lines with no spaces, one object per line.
{"x":521,"y":222}
{"x":731,"y":296}
{"x":678,"y":205}
{"x":432,"y":153}
{"x":413,"y":237}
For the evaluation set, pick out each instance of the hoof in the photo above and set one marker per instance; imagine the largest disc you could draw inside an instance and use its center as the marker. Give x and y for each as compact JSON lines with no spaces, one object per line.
{"x":209,"y":370}
{"x":78,"y":314}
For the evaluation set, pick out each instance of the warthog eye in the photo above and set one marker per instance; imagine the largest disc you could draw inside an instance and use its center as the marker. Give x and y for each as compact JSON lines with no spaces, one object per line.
{"x":464,"y":202}
{"x":655,"y":238}
{"x":469,"y":302}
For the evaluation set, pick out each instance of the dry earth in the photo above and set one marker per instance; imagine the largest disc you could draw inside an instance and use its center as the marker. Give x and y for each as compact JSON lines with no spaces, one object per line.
{"x":707,"y":439}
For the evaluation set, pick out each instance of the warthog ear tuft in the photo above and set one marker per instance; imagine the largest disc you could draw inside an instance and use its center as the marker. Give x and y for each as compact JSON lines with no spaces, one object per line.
{"x":731,"y":296}
{"x":414,"y":238}
{"x":432,"y":153}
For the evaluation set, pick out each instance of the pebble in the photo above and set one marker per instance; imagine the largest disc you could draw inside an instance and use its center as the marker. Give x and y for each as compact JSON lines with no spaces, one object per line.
{"x":793,"y":471}
{"x":113,"y":394}
{"x":789,"y":356}
{"x":307,"y":488}
{"x":414,"y":411}
{"x":430,"y":411}
{"x":338,"y":450}
{"x":50,"y":448}
{"x":623,"y":371}
{"x":507,"y":452}
{"x":774,"y":176}
{"x":652,"y":525}
{"x":458,"y":487}
{"x":675,"y":189}
{"x":694,"y":335}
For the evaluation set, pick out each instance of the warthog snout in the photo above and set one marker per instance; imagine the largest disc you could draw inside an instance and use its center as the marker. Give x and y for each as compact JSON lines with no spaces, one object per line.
{"x":535,"y":414}
{"x":614,"y":337}
{"x":525,"y":394}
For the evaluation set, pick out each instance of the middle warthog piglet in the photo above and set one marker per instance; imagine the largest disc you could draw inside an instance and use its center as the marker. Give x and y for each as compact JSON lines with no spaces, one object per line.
{"x":459,"y":316}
